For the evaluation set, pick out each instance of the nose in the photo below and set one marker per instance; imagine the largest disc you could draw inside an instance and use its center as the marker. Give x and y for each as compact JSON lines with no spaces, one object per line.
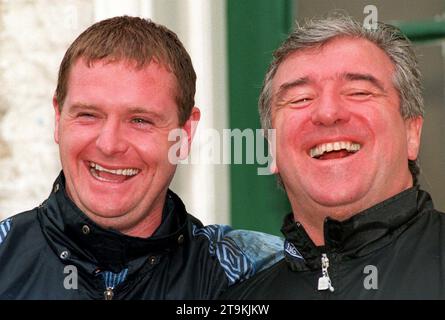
{"x":111,"y":139}
{"x":329,"y":110}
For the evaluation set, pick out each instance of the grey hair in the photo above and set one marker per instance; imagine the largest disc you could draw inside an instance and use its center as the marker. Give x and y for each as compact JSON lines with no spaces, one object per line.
{"x":318,"y":32}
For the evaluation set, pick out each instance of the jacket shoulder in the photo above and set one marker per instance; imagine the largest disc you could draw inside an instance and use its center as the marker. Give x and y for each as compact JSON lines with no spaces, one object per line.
{"x":18,"y":226}
{"x":241,"y":253}
{"x":5,"y":227}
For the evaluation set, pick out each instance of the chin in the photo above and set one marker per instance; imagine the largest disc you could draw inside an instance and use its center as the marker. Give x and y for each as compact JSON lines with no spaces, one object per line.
{"x":338,"y":196}
{"x":108,"y":211}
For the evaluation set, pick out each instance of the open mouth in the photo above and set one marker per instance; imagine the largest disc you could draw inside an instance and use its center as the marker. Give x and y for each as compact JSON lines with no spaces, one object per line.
{"x":334,"y":150}
{"x":112,"y":175}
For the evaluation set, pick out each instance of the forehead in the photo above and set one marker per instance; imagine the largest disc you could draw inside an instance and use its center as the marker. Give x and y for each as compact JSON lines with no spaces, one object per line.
{"x":110,"y":81}
{"x":336,"y":57}
{"x":83,"y":70}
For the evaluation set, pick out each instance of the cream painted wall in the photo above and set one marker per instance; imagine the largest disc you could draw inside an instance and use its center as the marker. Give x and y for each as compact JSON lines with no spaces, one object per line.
{"x":33,"y":38}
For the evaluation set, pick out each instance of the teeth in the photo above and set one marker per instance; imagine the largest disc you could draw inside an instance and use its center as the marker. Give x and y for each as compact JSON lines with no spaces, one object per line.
{"x":123,"y":172}
{"x":334,"y":146}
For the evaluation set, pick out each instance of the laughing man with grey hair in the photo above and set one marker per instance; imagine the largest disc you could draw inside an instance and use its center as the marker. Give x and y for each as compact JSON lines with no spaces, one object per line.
{"x":347,"y":108}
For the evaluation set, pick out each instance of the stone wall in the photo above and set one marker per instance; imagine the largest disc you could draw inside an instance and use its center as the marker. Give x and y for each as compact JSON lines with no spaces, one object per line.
{"x":33,"y":38}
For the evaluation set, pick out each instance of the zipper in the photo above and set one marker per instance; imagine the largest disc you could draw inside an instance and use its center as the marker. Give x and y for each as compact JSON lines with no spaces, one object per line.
{"x":324,"y":282}
{"x":108,"y":294}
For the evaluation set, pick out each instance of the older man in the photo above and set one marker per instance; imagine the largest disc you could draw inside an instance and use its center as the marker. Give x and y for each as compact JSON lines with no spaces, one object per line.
{"x":347,"y":108}
{"x":111,"y":229}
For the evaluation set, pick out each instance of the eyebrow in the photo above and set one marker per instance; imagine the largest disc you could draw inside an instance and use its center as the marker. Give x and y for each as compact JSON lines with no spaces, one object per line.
{"x":364,"y":77}
{"x":291,"y":84}
{"x":81,"y":106}
{"x":142,"y":111}
{"x":132,"y":110}
{"x":349,"y":76}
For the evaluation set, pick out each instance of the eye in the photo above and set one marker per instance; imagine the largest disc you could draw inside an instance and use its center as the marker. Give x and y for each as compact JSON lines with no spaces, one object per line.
{"x":141,"y":122}
{"x":301,"y":102}
{"x":360,"y":95}
{"x":85,"y":115}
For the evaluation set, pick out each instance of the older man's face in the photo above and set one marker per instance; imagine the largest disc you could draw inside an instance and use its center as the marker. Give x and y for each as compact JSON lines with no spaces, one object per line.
{"x":341,"y":140}
{"x":113,"y":138}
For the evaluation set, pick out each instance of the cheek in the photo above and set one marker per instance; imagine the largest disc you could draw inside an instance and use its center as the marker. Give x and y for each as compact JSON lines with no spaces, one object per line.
{"x":291,"y":128}
{"x":390,"y":136}
{"x":75,"y":138}
{"x":152,"y":149}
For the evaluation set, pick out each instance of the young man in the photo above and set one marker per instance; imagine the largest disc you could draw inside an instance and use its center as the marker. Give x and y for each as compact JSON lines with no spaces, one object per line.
{"x":111,"y":228}
{"x":347,"y":108}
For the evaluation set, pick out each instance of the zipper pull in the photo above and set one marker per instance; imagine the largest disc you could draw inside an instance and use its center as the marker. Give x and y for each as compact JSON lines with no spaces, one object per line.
{"x":324,"y":282}
{"x":108,"y":294}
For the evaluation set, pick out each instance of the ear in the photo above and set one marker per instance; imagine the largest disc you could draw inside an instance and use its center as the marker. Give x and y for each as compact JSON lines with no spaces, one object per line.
{"x":413,"y":132}
{"x":272,"y":144}
{"x":190,"y":128}
{"x":57,"y":119}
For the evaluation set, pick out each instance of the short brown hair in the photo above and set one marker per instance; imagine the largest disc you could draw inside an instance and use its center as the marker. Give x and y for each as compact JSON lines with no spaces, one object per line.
{"x":137,"y":40}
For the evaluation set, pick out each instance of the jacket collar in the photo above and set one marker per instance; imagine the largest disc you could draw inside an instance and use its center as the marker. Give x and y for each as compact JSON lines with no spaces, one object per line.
{"x":359,"y":235}
{"x":87,"y":244}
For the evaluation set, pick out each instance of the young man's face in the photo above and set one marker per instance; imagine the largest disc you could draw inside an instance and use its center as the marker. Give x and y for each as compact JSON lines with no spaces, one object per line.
{"x":113,"y":138}
{"x":341,"y":97}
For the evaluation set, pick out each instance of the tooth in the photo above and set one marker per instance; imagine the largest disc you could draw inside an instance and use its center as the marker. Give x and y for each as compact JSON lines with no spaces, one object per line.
{"x":329,"y":147}
{"x":342,"y":145}
{"x":336,"y":146}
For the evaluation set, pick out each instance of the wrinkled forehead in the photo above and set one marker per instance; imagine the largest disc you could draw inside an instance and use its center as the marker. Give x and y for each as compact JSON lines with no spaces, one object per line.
{"x":333,"y":59}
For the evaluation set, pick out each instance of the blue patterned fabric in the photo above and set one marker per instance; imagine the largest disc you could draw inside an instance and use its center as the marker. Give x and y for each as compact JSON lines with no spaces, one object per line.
{"x":292,"y":251}
{"x":112,"y":279}
{"x":5,"y":226}
{"x":241,"y":253}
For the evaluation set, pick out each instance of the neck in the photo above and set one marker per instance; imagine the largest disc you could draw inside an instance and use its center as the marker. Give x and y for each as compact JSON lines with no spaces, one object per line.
{"x":147,"y":227}
{"x":141,"y":224}
{"x":313,"y":224}
{"x":312,"y":215}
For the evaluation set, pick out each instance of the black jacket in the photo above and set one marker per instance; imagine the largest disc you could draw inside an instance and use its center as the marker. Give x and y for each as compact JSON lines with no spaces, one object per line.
{"x":394,"y":250}
{"x":56,"y":252}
